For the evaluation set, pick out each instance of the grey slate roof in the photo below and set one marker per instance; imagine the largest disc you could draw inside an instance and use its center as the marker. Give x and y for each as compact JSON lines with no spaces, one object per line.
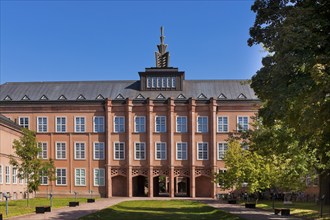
{"x":90,"y":90}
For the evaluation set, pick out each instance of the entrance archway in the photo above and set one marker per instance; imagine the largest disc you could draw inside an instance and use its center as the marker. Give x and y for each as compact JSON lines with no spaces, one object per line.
{"x":182,"y":186}
{"x":203,"y":186}
{"x":119,"y":186}
{"x":161,"y":186}
{"x":140,"y":186}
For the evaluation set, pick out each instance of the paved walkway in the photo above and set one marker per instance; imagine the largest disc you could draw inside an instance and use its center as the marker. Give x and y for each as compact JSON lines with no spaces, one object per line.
{"x":88,"y":208}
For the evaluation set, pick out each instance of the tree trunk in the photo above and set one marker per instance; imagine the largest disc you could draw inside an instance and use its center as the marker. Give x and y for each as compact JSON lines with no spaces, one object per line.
{"x":324,"y":180}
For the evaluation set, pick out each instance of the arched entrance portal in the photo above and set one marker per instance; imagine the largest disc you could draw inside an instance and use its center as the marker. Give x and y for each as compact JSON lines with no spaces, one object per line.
{"x":161,"y":186}
{"x":182,"y":186}
{"x":119,"y":186}
{"x":140,"y":186}
{"x":203,"y":186}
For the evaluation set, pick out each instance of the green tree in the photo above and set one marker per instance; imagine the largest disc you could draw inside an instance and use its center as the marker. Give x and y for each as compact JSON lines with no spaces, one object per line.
{"x":26,"y":161}
{"x":294,"y":82}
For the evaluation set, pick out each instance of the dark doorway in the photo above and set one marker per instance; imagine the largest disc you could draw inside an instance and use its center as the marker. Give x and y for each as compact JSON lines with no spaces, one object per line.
{"x":182,"y":186}
{"x":140,"y":186}
{"x":161,"y":186}
{"x":119,"y":186}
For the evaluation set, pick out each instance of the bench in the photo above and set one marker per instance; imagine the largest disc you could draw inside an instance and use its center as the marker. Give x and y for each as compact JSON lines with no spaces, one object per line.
{"x":232,"y":201}
{"x":73,"y":204}
{"x":285,"y":212}
{"x":90,"y":200}
{"x":250,"y":205}
{"x":42,"y":209}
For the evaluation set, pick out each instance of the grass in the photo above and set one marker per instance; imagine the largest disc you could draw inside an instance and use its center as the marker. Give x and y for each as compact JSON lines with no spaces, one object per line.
{"x":309,"y":210}
{"x":160,"y":210}
{"x":18,"y":207}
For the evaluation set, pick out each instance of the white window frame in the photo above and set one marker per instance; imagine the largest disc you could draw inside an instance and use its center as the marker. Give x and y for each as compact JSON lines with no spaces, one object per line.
{"x":119,"y":124}
{"x":79,"y":127}
{"x":149,"y":82}
{"x":60,"y":178}
{"x":161,"y":125}
{"x":185,"y":126}
{"x":120,"y":151}
{"x":207,"y":151}
{"x":160,"y":151}
{"x":221,"y":150}
{"x":159,"y":82}
{"x":42,"y":125}
{"x":79,"y":153}
{"x":43,"y":179}
{"x":100,"y":127}
{"x":56,"y":154}
{"x":43,"y":154}
{"x":61,"y":125}
{"x":184,"y":153}
{"x":173,"y":82}
{"x":163,"y":82}
{"x":138,"y":125}
{"x":242,"y":127}
{"x":101,"y":149}
{"x":100,"y":177}
{"x":221,"y":127}
{"x":7,"y":174}
{"x":168,"y":82}
{"x":1,"y":174}
{"x":139,"y":151}
{"x":14,"y":175}
{"x":153,"y":82}
{"x":24,"y":125}
{"x":80,"y":180}
{"x":202,"y":126}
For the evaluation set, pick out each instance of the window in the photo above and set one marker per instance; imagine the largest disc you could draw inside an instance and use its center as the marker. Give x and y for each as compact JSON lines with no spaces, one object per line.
{"x":79,"y":150}
{"x":159,"y":82}
{"x":119,"y":124}
{"x":163,"y":82}
{"x":20,"y":180}
{"x":1,"y":174}
{"x":14,"y":175}
{"x":43,"y":179}
{"x":161,"y":151}
{"x":119,"y":151}
{"x":140,"y":151}
{"x":42,"y":124}
{"x":160,"y":123}
{"x":98,"y":124}
{"x":148,"y":82}
{"x":202,"y":126}
{"x":60,"y":124}
{"x":60,"y":176}
{"x":80,"y":177}
{"x":99,"y":176}
{"x":80,"y":124}
{"x":140,"y":122}
{"x":168,"y":82}
{"x":181,"y":151}
{"x":23,"y":122}
{"x":153,"y":82}
{"x":173,"y":82}
{"x":7,"y":174}
{"x":242,"y":123}
{"x":222,"y":148}
{"x":181,"y":124}
{"x":98,"y":151}
{"x":202,"y":151}
{"x":222,"y":124}
{"x":43,"y":150}
{"x":60,"y":150}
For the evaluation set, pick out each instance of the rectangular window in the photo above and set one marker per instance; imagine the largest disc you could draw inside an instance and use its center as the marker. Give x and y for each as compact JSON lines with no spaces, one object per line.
{"x":99,"y":177}
{"x":159,"y":82}
{"x":173,"y":82}
{"x":222,"y":124}
{"x":153,"y":79}
{"x":119,"y":151}
{"x":80,"y":124}
{"x":148,"y":82}
{"x":1,"y":174}
{"x":161,"y":152}
{"x":60,"y":176}
{"x":163,"y":82}
{"x":80,"y":177}
{"x":139,"y":151}
{"x":242,"y":123}
{"x":181,"y":151}
{"x":98,"y":124}
{"x":79,"y":151}
{"x":98,"y":151}
{"x":20,"y":180}
{"x":24,"y":122}
{"x":222,"y":149}
{"x":43,"y":179}
{"x":140,"y":124}
{"x":160,"y":124}
{"x":119,"y":124}
{"x":202,"y":151}
{"x":202,"y":126}
{"x":14,"y":175}
{"x":42,"y":124}
{"x":60,"y":124}
{"x":181,"y":124}
{"x":168,"y":82}
{"x":60,"y":150}
{"x":7,"y":174}
{"x":43,"y":153}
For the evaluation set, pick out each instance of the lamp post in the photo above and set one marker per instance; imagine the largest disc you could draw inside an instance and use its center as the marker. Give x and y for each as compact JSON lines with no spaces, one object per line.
{"x":51,"y":199}
{"x":75,"y":196}
{"x":6,"y":196}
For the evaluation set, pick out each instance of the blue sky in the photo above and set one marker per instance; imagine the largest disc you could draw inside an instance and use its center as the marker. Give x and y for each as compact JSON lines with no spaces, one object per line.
{"x":114,"y":40}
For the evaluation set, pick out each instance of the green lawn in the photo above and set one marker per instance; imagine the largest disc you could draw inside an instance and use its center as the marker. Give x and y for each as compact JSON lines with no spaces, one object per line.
{"x":18,"y":207}
{"x":161,"y":210}
{"x":306,"y":209}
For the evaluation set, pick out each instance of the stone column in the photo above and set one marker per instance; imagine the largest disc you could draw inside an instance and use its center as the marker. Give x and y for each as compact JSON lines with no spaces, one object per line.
{"x":150,"y":146}
{"x":213,"y":142}
{"x":129,"y":145}
{"x":192,"y":145}
{"x":171,"y":144}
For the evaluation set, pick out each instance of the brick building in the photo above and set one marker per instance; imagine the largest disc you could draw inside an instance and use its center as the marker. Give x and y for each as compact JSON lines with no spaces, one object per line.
{"x":161,"y":135}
